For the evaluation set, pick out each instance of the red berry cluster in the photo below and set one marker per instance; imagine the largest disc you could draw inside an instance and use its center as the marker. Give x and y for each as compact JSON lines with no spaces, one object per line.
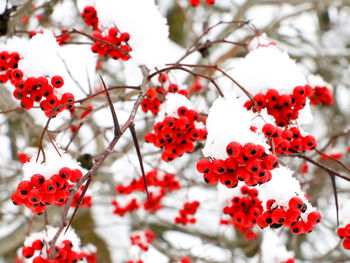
{"x":166,"y":183}
{"x":185,"y":260}
{"x":40,"y":192}
{"x":155,"y":97}
{"x":196,"y":3}
{"x":288,"y":140}
{"x":116,"y":38}
{"x":90,"y":17}
{"x":283,"y":107}
{"x":8,"y":61}
{"x":244,"y":211}
{"x":63,"y":37}
{"x":142,"y":239}
{"x":23,"y":158}
{"x":39,"y":90}
{"x":186,"y":214}
{"x":344,"y":232}
{"x":276,"y":216}
{"x":120,"y":210}
{"x":176,"y":135}
{"x":64,"y":253}
{"x":196,"y":86}
{"x":85,"y":113}
{"x":248,"y":163}
{"x":132,"y":261}
{"x":85,"y":202}
{"x":321,"y":95}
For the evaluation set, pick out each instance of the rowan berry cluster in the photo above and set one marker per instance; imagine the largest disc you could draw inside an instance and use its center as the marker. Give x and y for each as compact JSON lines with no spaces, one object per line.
{"x":186,"y":214}
{"x":85,"y":202}
{"x":293,"y":217}
{"x":41,"y":191}
{"x":23,"y":158}
{"x":162,"y":183}
{"x":177,"y":135}
{"x":196,"y":86}
{"x":116,"y":38}
{"x":120,"y":210}
{"x":249,"y":163}
{"x":61,"y":39}
{"x":85,"y":113}
{"x":37,"y":89}
{"x":196,"y":3}
{"x":142,"y":239}
{"x":244,"y":211}
{"x":155,"y":97}
{"x":344,"y":232}
{"x":132,"y":261}
{"x":90,"y":17}
{"x":283,"y":107}
{"x":185,"y":260}
{"x":288,"y":140}
{"x":65,"y":252}
{"x":321,"y":95}
{"x":8,"y":61}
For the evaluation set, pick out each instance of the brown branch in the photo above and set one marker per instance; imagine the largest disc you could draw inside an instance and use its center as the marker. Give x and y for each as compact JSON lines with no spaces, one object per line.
{"x":178,"y":67}
{"x":310,"y":160}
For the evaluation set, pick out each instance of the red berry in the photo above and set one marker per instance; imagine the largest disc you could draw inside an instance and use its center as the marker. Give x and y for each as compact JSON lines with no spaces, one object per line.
{"x":203,"y":166}
{"x":57,"y":81}
{"x":76,"y":174}
{"x":295,"y":203}
{"x":250,"y":150}
{"x":314,"y":217}
{"x":270,"y":162}
{"x":49,"y":186}
{"x":234,"y":149}
{"x":37,"y":244}
{"x":27,"y":252}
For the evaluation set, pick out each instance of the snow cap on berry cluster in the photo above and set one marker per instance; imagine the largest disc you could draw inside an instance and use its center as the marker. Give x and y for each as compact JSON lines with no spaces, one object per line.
{"x":42,"y":56}
{"x":53,"y":163}
{"x":172,"y":102}
{"x":267,"y":68}
{"x":51,"y":232}
{"x":282,"y":187}
{"x":141,"y":19}
{"x":228,"y":121}
{"x":273,"y":249}
{"x":317,"y":80}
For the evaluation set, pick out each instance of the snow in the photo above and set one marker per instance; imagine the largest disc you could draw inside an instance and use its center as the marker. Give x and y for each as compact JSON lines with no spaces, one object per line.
{"x":172,"y":102}
{"x":53,"y":163}
{"x":273,"y":249}
{"x":228,"y":121}
{"x":268,"y":68}
{"x":282,"y":187}
{"x":46,"y":236}
{"x":141,"y":19}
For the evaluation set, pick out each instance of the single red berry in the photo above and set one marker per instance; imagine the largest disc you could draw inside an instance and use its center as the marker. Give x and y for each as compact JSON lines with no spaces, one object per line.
{"x":57,"y":81}
{"x":250,"y":150}
{"x":76,"y":174}
{"x":295,"y":203}
{"x":204,"y":166}
{"x":49,"y":186}
{"x":27,"y":252}
{"x":270,"y":162}
{"x":234,"y":149}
